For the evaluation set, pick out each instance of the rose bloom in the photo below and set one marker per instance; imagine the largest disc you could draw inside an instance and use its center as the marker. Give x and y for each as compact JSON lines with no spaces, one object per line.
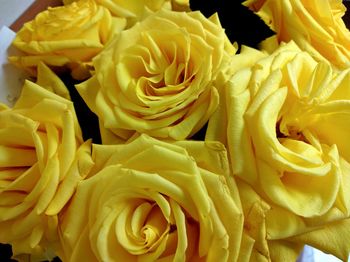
{"x":134,"y":11}
{"x":42,"y":158}
{"x":316,"y":26}
{"x":158,"y":77}
{"x":286,"y":120}
{"x":66,"y":36}
{"x":149,"y":200}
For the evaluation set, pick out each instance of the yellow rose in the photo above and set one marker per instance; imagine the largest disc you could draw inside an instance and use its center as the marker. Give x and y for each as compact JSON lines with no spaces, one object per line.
{"x":285,"y":125}
{"x":42,"y":158}
{"x":135,"y":11}
{"x":66,"y":36}
{"x":158,"y":77}
{"x":316,"y":26}
{"x":150,"y":200}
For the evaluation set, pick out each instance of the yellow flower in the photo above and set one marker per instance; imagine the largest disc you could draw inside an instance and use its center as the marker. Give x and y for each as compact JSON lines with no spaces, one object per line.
{"x":149,"y":200}
{"x":66,"y":36}
{"x":285,"y":123}
{"x":42,"y":158}
{"x":157,"y":77}
{"x":316,"y":26}
{"x":134,"y":11}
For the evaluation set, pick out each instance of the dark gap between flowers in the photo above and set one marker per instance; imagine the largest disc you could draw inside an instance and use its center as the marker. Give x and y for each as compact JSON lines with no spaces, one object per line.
{"x":241,"y":25}
{"x":6,"y":254}
{"x":88,"y":121}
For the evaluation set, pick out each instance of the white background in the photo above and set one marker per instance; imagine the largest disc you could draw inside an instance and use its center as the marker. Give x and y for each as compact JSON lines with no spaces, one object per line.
{"x":11,"y":10}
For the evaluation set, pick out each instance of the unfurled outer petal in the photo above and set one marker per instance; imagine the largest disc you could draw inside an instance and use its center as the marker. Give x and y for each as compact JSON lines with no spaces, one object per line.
{"x":257,"y":244}
{"x":159,"y":77}
{"x":66,"y":36}
{"x":149,"y":200}
{"x":47,"y":79}
{"x":42,"y":158}
{"x":332,"y":239}
{"x":317,"y":27}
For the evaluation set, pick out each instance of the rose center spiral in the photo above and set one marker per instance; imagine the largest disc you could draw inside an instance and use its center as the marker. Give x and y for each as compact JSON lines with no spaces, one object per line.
{"x":145,"y":228}
{"x":159,"y":64}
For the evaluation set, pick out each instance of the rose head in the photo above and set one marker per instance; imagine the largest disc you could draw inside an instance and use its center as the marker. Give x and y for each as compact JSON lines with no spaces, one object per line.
{"x":157,"y":77}
{"x":285,"y":123}
{"x":150,"y":200}
{"x":280,"y":118}
{"x":66,"y":36}
{"x":42,"y":157}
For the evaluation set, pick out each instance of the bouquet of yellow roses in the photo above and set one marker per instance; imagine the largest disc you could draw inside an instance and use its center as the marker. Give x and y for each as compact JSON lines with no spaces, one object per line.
{"x":198,"y":146}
